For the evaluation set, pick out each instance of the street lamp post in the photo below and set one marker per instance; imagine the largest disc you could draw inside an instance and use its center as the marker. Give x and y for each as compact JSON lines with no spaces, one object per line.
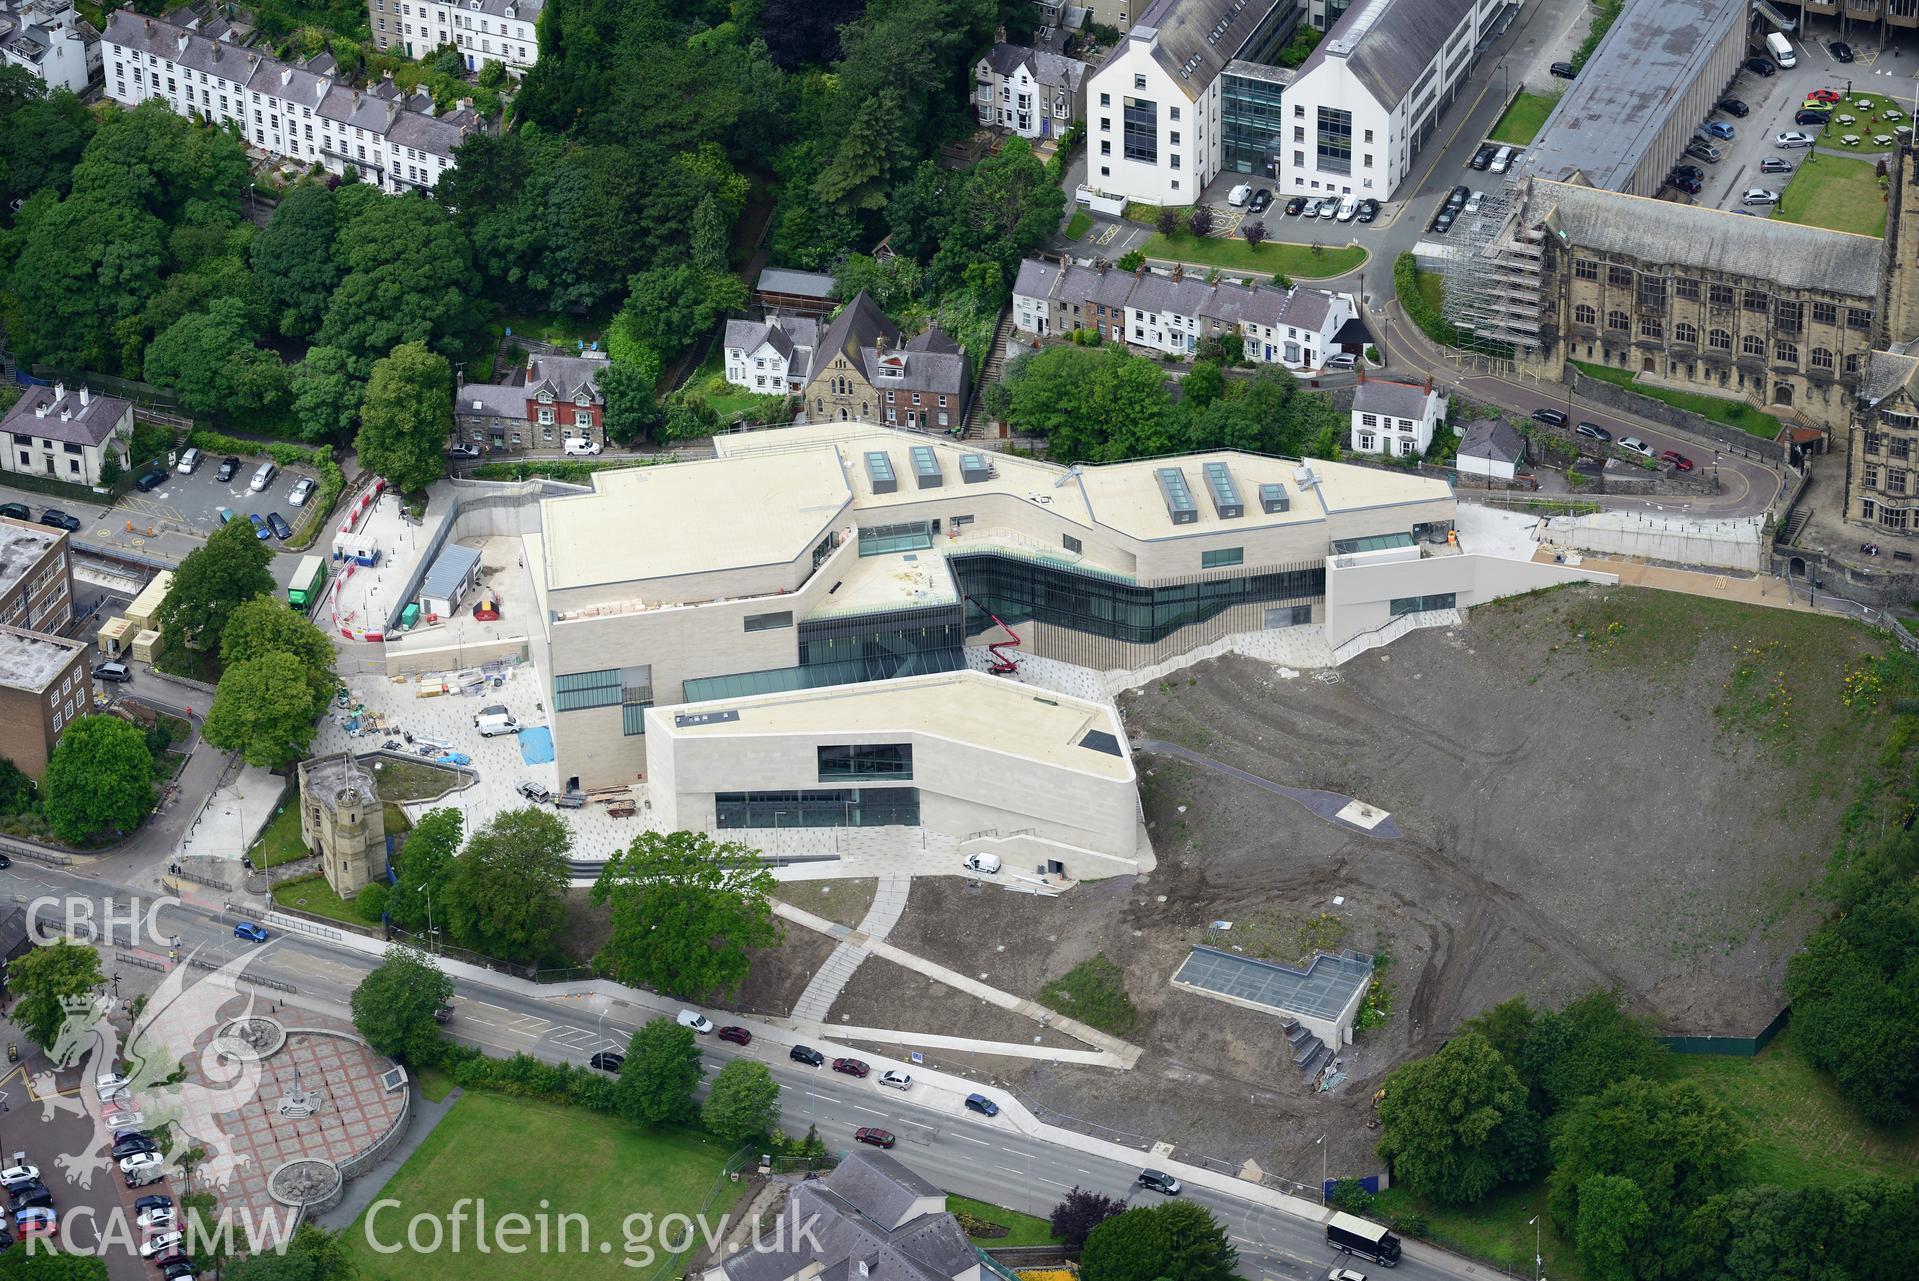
{"x":1538,"y":1262}
{"x":1322,"y":1169}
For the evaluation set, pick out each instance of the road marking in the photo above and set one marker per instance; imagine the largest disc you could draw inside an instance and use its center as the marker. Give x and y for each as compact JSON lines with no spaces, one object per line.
{"x":982,"y":1142}
{"x":1056,"y":1183}
{"x":474,"y":1018}
{"x":471,"y":1000}
{"x":871,"y":1111}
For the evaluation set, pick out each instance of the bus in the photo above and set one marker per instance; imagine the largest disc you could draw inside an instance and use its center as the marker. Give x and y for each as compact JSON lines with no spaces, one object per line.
{"x":1350,"y":1235}
{"x":309,"y":581}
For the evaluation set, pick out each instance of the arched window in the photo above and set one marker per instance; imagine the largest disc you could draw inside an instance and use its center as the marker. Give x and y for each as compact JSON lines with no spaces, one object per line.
{"x":1719,"y":340}
{"x":1785,"y":353}
{"x":1616,"y":320}
{"x":1752,"y":345}
{"x":1684,"y":332}
{"x":1584,"y":315}
{"x":1822,"y":359}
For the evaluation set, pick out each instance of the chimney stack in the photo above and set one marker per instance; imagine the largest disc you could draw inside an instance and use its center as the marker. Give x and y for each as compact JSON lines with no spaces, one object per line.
{"x":83,"y":398}
{"x":879,"y":344}
{"x":1429,"y":384}
{"x":1360,"y":374}
{"x":59,"y":391}
{"x":1179,"y":272}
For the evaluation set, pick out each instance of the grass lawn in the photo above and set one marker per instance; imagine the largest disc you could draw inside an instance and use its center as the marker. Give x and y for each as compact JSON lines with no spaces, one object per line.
{"x":434,"y":1084}
{"x":561,"y":331}
{"x":313,"y":894}
{"x":412,"y":780}
{"x":1733,"y":413}
{"x":1301,"y":262}
{"x":709,"y":380}
{"x":1494,"y":1230}
{"x":520,"y":1156}
{"x":1432,"y":288}
{"x":280,"y":842}
{"x":844,"y":901}
{"x":1837,"y":193}
{"x":1137,"y":211}
{"x":1025,"y":1228}
{"x":1521,"y":122}
{"x":1080,"y":223}
{"x":1803,"y":1134}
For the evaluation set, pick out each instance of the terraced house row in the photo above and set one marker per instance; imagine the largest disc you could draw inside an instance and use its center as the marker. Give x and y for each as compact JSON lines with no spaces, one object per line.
{"x":392,"y":139}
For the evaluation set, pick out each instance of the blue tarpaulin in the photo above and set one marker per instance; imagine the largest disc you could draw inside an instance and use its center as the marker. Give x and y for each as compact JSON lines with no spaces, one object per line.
{"x":536,"y":745}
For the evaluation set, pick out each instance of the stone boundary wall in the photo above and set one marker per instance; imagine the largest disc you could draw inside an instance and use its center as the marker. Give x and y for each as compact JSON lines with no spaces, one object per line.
{"x":1626,"y":401}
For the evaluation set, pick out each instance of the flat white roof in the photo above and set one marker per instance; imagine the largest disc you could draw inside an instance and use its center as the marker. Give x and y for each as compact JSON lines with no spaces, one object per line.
{"x":968,"y":707}
{"x":21,"y":545}
{"x":28,"y":660}
{"x":646,"y":523}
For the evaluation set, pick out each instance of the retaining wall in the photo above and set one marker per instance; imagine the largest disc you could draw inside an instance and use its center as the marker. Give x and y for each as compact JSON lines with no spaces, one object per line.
{"x":1719,"y":544}
{"x":1625,"y":401}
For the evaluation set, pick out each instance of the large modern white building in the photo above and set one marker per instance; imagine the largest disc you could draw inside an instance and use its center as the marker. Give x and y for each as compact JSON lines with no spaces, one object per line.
{"x":1153,"y":107}
{"x":1368,"y":99}
{"x":51,"y":41}
{"x":392,"y":139}
{"x":483,"y":31}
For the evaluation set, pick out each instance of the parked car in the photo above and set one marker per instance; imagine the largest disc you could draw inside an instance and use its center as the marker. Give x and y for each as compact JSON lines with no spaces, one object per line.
{"x":1549,"y":417}
{"x":141,"y":1161}
{"x":1483,"y":157}
{"x":14,"y":1175}
{"x":189,"y":461}
{"x":1827,"y":96}
{"x":302,"y":490}
{"x":1239,"y":195}
{"x":160,"y":1243}
{"x":153,"y":1202}
{"x":39,"y":1221}
{"x":1260,"y":200}
{"x":695,"y":1020}
{"x":1328,"y":207}
{"x":149,"y":480}
{"x":606,"y":1061}
{"x":1678,"y":460}
{"x":1700,"y":149}
{"x":1593,"y":431}
{"x":1841,"y":51}
{"x":1734,"y":107}
{"x":181,"y":1269}
{"x":1719,"y":129}
{"x":19,"y":511}
{"x":1443,"y":221}
{"x":263,"y":477}
{"x":1475,"y":200}
{"x":852,"y":1067}
{"x":1761,"y":67}
{"x":1634,"y":445}
{"x":1158,"y":1181}
{"x":114,"y":673}
{"x":1347,"y":209}
{"x":1811,"y":117}
{"x":533,"y":791}
{"x":1690,"y":171}
{"x":229,"y":468}
{"x":59,"y":520}
{"x":1690,"y":185}
{"x":135,"y":1143}
{"x":1458,"y":196}
{"x":157,"y":1217}
{"x":225,"y":514}
{"x":984,"y":864}
{"x":893,"y":1078}
{"x":806,"y":1054}
{"x":1564,"y":70}
{"x":122,"y":1116}
{"x":1368,"y":209}
{"x":248,"y":930}
{"x":737,"y":1035}
{"x":277,"y":523}
{"x":28,"y":1195}
{"x":873,"y":1135}
{"x":1775,"y":164}
{"x":259,"y":524}
{"x":494,"y":720}
{"x":463,"y":451}
{"x":1503,"y":159}
{"x":581,"y":446}
{"x":1294,"y":205}
{"x":1759,"y":196}
{"x":1341,"y":360}
{"x":981,"y":1104}
{"x":1345,"y":1274}
{"x":1793,"y":139}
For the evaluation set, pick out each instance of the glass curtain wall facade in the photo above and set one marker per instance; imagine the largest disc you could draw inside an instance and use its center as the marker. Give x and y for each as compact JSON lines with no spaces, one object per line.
{"x":1251,"y":125}
{"x":818,"y":807}
{"x":853,"y":648}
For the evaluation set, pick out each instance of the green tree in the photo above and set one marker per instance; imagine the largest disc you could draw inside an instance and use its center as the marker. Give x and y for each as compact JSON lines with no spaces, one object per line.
{"x":41,"y":142}
{"x":41,"y":979}
{"x":18,"y":794}
{"x":668,"y":307}
{"x":685,"y":909}
{"x":1080,"y":1212}
{"x":99,"y":778}
{"x":1173,"y":1241}
{"x":1855,"y":998}
{"x":1506,"y":1027}
{"x":165,"y":164}
{"x":1203,"y":385}
{"x":1612,"y":1225}
{"x":661,"y":1070}
{"x":407,"y":417}
{"x":268,"y":625}
{"x":630,"y":405}
{"x":1456,"y":1124}
{"x":393,"y":1006}
{"x":1585,"y":1047}
{"x":209,"y":357}
{"x":506,"y":894}
{"x":86,"y":265}
{"x":215,"y":579}
{"x":1091,"y":403}
{"x":266,"y":709}
{"x":407,"y":278}
{"x":293,"y":260}
{"x":920,"y":212}
{"x":425,"y":863}
{"x":742,"y":1103}
{"x":326,"y":394}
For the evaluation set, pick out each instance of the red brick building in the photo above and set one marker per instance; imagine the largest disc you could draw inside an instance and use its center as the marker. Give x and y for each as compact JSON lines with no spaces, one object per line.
{"x":555,"y":399}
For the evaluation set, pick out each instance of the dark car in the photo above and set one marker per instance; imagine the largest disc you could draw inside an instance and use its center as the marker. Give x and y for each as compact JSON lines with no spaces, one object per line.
{"x":981,"y":1104}
{"x":59,"y":520}
{"x":606,"y":1061}
{"x":874,"y":1135}
{"x":1158,"y":1181}
{"x":154,"y":1202}
{"x":180,"y":1269}
{"x":1808,"y":117}
{"x":1565,"y":70}
{"x":1688,"y":171}
{"x":737,"y":1035}
{"x":1841,"y":51}
{"x":1368,"y":210}
{"x":259,"y":524}
{"x":1759,"y":66}
{"x":135,"y":1143}
{"x":1734,"y":107}
{"x":150,"y":480}
{"x":1550,"y":417}
{"x":249,"y":931}
{"x":1687,"y":183}
{"x":1678,"y":460}
{"x":1775,"y":164}
{"x":277,"y":523}
{"x":1483,"y":157}
{"x":30,"y":1195}
{"x":1260,"y":200}
{"x":1443,"y":221}
{"x":1591,"y":431}
{"x":1458,"y":196}
{"x":852,"y":1067}
{"x":229,"y":468}
{"x":19,"y":511}
{"x":806,"y":1054}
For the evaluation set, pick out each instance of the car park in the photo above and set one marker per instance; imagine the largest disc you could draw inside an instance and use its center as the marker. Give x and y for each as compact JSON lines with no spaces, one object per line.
{"x":1591,"y":431}
{"x":695,"y":1020}
{"x":190,"y":461}
{"x":1564,"y":70}
{"x":277,"y":523}
{"x":533,"y":792}
{"x":581,"y":446}
{"x":248,"y":930}
{"x":1260,"y":200}
{"x":1483,"y":157}
{"x":1158,"y":1181}
{"x":1347,"y":208}
{"x":1811,"y":118}
{"x":606,"y":1061}
{"x":1368,"y":209}
{"x":1734,"y":107}
{"x":259,"y":524}
{"x":737,"y":1035}
{"x":1760,"y":67}
{"x":1294,"y":205}
{"x":1793,"y":139}
{"x":895,"y":1079}
{"x":1841,"y":51}
{"x":1775,"y":164}
{"x":113,"y":673}
{"x":874,"y":1136}
{"x":806,"y":1054}
{"x":1678,"y":460}
{"x":302,"y":490}
{"x":851,"y":1067}
{"x":1720,"y":129}
{"x":1759,"y":196}
{"x":981,"y":1104}
{"x":151,"y":479}
{"x":1634,"y":445}
{"x":1239,"y":195}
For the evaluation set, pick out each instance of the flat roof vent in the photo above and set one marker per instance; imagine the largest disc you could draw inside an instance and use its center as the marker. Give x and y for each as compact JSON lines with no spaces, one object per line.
{"x":1304,"y":478}
{"x":1272,"y":498}
{"x":926,"y":466}
{"x":879,"y":472}
{"x":974,"y":469}
{"x":1179,"y":499}
{"x":1219,"y":481}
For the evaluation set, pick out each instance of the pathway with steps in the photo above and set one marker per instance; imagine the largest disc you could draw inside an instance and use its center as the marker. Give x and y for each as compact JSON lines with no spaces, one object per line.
{"x":889,"y":902}
{"x":990,"y":371}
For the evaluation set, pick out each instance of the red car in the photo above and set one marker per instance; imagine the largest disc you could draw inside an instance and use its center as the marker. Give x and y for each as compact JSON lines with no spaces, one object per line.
{"x":1678,"y":460}
{"x":852,"y":1067}
{"x":737,"y":1035}
{"x":1823,"y":95}
{"x":878,"y":1138}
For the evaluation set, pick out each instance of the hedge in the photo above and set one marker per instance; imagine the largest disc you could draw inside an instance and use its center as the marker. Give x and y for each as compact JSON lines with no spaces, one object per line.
{"x":319,"y":458}
{"x":1413,"y":303}
{"x":527,"y":1077}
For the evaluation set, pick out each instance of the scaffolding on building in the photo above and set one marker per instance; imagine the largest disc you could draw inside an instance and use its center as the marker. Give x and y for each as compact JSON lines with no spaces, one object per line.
{"x":1492,"y":273}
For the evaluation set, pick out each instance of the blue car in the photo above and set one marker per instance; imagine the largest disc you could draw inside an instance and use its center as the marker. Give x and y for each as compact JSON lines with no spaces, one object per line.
{"x":981,"y":1104}
{"x":1719,"y":129}
{"x":248,"y":930}
{"x":260,"y":529}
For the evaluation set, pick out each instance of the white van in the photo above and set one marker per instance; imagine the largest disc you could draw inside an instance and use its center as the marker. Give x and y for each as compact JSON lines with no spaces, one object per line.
{"x":189,"y":461}
{"x":1781,"y":50}
{"x":263,"y":478}
{"x":984,"y":864}
{"x":698,"y":1022}
{"x":495,"y":720}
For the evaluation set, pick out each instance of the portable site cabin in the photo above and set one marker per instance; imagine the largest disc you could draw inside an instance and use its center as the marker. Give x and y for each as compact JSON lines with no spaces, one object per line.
{"x":147,"y":603}
{"x":359,"y":548}
{"x":455,"y":572}
{"x":115,"y":634}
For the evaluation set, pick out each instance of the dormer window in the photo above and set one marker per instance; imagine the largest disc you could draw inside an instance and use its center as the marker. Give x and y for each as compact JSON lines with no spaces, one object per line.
{"x":545,"y":398}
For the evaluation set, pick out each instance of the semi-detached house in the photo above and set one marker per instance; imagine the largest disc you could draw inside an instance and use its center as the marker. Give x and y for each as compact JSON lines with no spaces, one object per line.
{"x":392,"y":139}
{"x":1173,"y":314}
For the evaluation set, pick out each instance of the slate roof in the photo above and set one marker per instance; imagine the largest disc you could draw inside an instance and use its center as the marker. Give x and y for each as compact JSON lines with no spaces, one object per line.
{"x":1396,"y":42}
{"x":449,"y":569}
{"x":934,"y":339}
{"x":860,"y":324}
{"x":1187,"y":48}
{"x":1664,"y":233}
{"x":855,"y":1216}
{"x":523,"y":10}
{"x":498,"y":400}
{"x":1380,"y":396}
{"x":566,"y":377}
{"x":88,"y":424}
{"x":1886,"y":373}
{"x":1226,"y":301}
{"x":788,"y":335}
{"x":1047,"y":68}
{"x":1492,"y":438}
{"x":784,"y":280}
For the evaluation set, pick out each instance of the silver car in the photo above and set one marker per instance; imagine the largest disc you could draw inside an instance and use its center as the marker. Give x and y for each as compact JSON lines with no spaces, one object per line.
{"x":302,"y":491}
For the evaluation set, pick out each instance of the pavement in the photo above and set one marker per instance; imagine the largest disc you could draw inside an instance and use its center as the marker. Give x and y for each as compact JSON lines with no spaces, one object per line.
{"x":889,"y":903}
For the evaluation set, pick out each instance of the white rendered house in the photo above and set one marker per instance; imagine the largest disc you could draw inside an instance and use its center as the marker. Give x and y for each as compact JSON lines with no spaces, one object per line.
{"x":52,"y":42}
{"x":1029,"y":92}
{"x":482,"y":30}
{"x":770,"y":357}
{"x":1394,"y":418}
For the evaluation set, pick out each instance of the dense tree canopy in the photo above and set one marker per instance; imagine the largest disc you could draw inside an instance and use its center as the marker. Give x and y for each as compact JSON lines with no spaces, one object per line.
{"x":393,"y":1006}
{"x":742,"y":1103}
{"x":266,"y":709}
{"x":1457,"y":1124}
{"x":212,"y":582}
{"x":99,"y":778}
{"x":407,"y":416}
{"x":209,"y":357}
{"x":1173,"y":1241}
{"x":504,"y":896}
{"x":425,"y":863}
{"x":685,"y":910}
{"x":293,"y":260}
{"x":40,"y":980}
{"x":660,"y":1072}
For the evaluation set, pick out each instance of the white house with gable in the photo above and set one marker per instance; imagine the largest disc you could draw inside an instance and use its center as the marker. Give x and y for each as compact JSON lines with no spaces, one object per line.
{"x":1394,"y":418}
{"x":771,"y":356}
{"x":482,"y":30}
{"x":1029,"y":92}
{"x":51,"y":41}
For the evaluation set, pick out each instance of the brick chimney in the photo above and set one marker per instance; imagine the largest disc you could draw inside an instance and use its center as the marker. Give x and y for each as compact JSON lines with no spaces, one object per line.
{"x":1179,"y":272}
{"x":879,"y":344}
{"x":1429,"y":384}
{"x":1360,"y":374}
